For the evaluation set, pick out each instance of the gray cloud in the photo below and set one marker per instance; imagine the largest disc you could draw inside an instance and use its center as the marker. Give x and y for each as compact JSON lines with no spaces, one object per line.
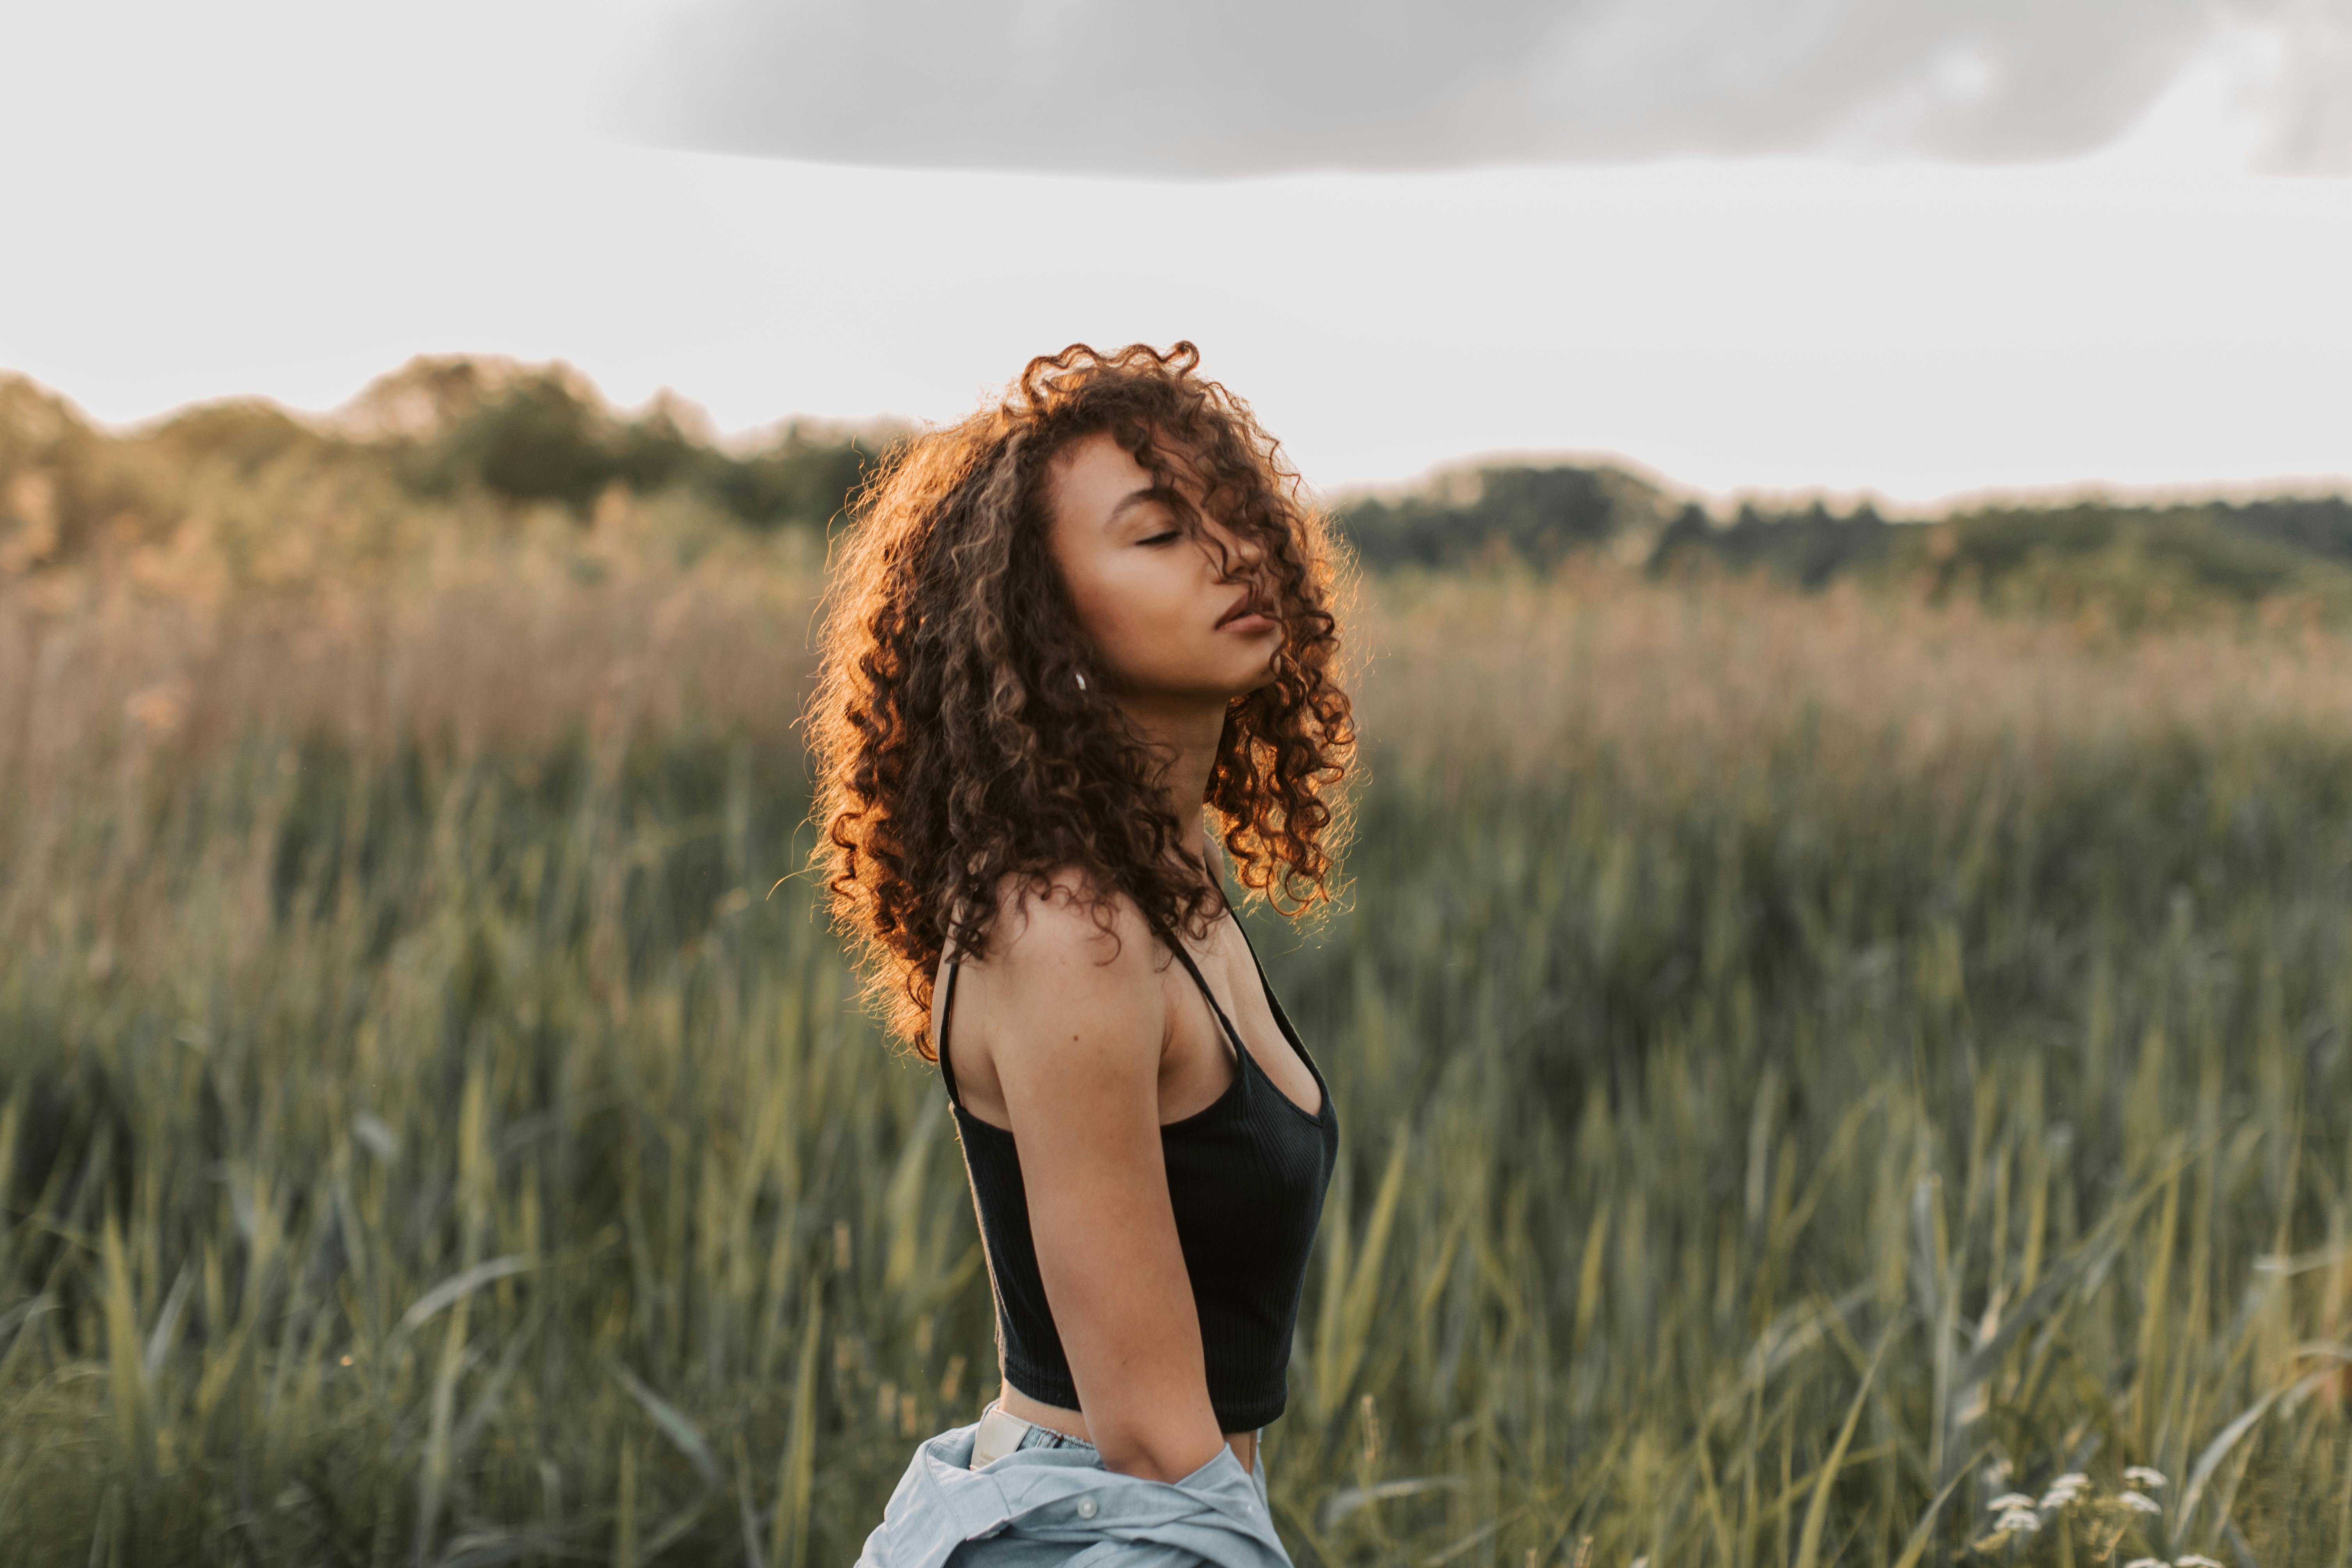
{"x":1212,"y":87}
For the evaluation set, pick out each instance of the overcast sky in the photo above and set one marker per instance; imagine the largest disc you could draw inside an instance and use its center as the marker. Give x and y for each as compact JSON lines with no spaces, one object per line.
{"x":1856,"y":244}
{"x":1249,"y":87}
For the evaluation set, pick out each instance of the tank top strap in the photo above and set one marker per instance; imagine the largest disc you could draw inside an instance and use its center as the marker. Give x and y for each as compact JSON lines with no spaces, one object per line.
{"x":947,"y":1018}
{"x":1194,"y":970}
{"x":1274,"y":1003}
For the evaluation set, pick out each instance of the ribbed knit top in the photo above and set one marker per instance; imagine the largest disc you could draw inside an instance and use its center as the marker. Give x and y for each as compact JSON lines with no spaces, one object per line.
{"x":1245,"y":1179}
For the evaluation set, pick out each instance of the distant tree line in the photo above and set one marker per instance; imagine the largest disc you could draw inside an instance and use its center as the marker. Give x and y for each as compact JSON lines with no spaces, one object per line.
{"x":543,"y":439}
{"x":444,"y":429}
{"x":2142,"y":557}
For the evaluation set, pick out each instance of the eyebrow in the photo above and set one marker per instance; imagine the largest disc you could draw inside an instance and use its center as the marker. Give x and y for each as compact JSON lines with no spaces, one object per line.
{"x":1136,"y":497}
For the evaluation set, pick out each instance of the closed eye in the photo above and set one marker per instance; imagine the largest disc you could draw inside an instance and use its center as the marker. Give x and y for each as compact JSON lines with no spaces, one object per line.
{"x":1161,"y":538}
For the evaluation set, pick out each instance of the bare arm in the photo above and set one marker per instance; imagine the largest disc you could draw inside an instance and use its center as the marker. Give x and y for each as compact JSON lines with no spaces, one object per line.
{"x":1077,"y":1036}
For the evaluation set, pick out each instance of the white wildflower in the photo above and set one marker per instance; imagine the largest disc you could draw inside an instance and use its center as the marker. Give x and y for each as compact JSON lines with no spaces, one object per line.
{"x":2018,"y":1520}
{"x":2065,"y":1490}
{"x":2144,"y":1562}
{"x":1996,"y":1473}
{"x":2009,"y":1501}
{"x":2140,"y":1502}
{"x":2144,"y":1478}
{"x":2195,"y":1559}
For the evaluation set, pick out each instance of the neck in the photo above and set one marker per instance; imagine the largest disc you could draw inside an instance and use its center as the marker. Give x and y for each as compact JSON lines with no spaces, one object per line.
{"x":1185,"y":735}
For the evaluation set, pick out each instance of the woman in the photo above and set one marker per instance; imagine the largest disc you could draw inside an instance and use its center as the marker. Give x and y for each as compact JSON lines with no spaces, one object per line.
{"x":1061,"y":628}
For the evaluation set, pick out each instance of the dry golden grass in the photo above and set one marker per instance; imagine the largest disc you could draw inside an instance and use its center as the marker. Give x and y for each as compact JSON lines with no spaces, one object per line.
{"x":1695,"y":686}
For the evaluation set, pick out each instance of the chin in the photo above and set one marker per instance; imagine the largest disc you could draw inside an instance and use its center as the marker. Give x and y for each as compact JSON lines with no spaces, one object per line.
{"x":1264,"y":678}
{"x":1223,"y":685}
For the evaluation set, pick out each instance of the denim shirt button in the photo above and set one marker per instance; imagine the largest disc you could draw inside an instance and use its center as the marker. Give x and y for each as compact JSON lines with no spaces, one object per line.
{"x":1086,"y":1508}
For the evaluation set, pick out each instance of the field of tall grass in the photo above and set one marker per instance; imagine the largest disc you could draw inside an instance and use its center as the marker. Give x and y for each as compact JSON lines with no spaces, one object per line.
{"x":1824,"y":1079}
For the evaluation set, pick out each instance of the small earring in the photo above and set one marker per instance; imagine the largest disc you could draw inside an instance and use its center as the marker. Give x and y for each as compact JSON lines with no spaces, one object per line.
{"x":1082,"y":680}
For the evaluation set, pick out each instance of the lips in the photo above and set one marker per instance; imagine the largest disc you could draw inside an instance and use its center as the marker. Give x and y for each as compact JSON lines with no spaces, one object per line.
{"x":1247,"y":605}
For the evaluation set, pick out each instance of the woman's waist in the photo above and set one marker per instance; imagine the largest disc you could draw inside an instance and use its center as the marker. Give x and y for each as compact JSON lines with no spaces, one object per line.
{"x":1072,"y":1423}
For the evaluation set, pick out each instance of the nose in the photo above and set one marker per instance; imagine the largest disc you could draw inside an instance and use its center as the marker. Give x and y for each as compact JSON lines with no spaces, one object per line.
{"x":1242,"y":553}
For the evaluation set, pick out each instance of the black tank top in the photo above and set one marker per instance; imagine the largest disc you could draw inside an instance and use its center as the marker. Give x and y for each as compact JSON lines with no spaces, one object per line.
{"x":1245,"y":1179}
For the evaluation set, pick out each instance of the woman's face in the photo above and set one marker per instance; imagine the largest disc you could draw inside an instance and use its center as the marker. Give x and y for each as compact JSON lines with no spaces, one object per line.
{"x":1162,"y":616}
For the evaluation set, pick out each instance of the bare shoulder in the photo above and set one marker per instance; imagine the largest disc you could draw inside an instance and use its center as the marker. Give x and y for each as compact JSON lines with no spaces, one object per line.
{"x":1066,"y":921}
{"x":1066,"y":975}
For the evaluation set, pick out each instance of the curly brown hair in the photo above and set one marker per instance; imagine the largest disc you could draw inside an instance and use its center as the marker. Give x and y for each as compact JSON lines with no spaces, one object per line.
{"x":952,"y":744}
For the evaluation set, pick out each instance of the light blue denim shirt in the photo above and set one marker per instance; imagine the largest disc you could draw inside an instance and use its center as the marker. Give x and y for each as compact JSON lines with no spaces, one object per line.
{"x":1061,"y":1507}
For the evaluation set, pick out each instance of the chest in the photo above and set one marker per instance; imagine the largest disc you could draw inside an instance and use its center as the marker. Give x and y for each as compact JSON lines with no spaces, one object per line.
{"x":1200,"y":1063}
